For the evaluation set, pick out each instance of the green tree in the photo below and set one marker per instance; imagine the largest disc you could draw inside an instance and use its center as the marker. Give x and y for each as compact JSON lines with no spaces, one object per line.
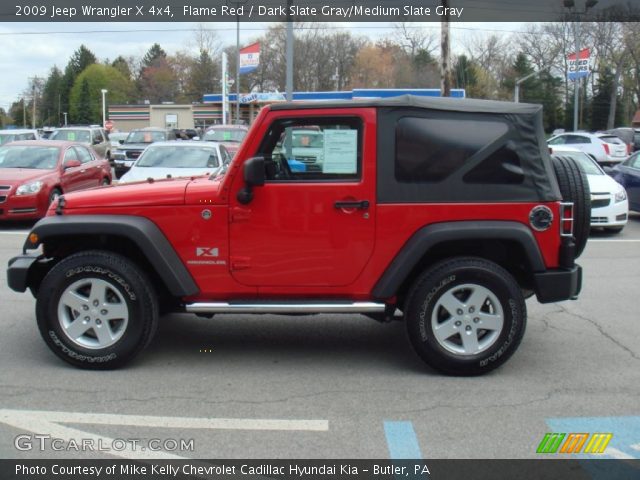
{"x":600,"y":103}
{"x":81,"y":59}
{"x":121,"y":64}
{"x":465,"y":75}
{"x":17,"y":113}
{"x":82,"y":111}
{"x":50,"y":106}
{"x":153,"y":55}
{"x":204,"y":78}
{"x":87,"y":101}
{"x":157,"y":81}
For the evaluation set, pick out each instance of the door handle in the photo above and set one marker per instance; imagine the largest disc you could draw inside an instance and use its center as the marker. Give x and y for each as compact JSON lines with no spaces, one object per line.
{"x":360,"y":204}
{"x":82,"y":171}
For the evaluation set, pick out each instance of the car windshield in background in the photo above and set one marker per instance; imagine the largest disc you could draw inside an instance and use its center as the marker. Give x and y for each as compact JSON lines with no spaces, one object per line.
{"x":587,"y":164}
{"x":40,"y":158}
{"x":178,"y":157}
{"x":146,"y":137}
{"x":82,"y":136}
{"x":222,"y":135}
{"x":308,"y":140}
{"x":6,"y":138}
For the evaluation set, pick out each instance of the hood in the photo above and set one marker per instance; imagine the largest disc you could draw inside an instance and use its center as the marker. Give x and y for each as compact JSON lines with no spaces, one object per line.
{"x":133,"y":146}
{"x":140,"y":174}
{"x":232,"y":147}
{"x":18,"y":176}
{"x":603,"y":184}
{"x":158,"y":193}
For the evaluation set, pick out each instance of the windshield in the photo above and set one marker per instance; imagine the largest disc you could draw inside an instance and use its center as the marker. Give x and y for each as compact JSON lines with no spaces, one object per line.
{"x":146,"y":136}
{"x":307,"y":140}
{"x":82,"y":136}
{"x":6,"y":138}
{"x":587,"y":164}
{"x":178,"y":157}
{"x":41,"y":158}
{"x":225,"y":135}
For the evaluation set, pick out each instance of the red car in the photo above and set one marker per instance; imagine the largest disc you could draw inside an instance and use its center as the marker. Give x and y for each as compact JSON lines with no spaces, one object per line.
{"x":34,"y":173}
{"x":230,"y":136}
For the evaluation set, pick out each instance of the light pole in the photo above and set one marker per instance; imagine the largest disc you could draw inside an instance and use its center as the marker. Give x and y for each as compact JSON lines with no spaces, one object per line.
{"x":65,"y":118}
{"x":570,"y":4}
{"x":524,"y":79}
{"x":104,"y":108}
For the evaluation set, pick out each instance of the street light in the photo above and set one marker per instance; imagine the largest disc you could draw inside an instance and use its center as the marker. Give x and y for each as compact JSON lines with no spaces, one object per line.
{"x":570,"y":4}
{"x":65,"y":118}
{"x":104,"y":109}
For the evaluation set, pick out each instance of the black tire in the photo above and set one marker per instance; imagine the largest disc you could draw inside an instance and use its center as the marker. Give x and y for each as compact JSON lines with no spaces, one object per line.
{"x":574,"y":187}
{"x":127,"y":290}
{"x":55,"y":193}
{"x":105,"y":182}
{"x":455,"y":279}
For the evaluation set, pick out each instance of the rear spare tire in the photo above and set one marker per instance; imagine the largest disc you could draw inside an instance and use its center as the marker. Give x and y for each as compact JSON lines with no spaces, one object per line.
{"x":574,"y":187}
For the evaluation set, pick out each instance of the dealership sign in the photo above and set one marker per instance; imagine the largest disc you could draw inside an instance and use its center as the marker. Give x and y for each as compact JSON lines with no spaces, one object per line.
{"x":249,"y":58}
{"x":580,"y":68}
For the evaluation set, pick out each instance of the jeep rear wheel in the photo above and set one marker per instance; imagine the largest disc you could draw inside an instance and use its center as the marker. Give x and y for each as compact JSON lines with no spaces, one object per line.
{"x":96,"y":310}
{"x":465,"y":316}
{"x":574,"y":187}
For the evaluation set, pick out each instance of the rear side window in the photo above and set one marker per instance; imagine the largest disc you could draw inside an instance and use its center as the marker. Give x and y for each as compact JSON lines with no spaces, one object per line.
{"x":611,"y":139}
{"x":83,"y":154}
{"x":429,"y":150}
{"x":577,"y":139}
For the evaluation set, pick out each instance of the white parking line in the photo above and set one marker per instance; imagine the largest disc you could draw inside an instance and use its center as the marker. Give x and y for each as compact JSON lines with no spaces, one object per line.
{"x":621,"y":240}
{"x":37,"y":421}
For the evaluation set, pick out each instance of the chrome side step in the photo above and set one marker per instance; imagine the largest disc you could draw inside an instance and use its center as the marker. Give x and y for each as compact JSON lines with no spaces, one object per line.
{"x":271,"y":307}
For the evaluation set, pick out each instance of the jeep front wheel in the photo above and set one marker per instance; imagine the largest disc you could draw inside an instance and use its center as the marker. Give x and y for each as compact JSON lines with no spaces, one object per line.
{"x":96,"y":310}
{"x":465,"y":316}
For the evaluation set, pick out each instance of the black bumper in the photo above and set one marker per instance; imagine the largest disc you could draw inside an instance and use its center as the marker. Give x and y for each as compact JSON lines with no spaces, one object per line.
{"x":18,"y":272}
{"x":557,"y":285}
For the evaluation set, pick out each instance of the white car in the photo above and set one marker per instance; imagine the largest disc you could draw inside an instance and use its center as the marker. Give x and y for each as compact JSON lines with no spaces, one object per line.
{"x":14,"y":135}
{"x":177,"y":159}
{"x":605,"y":149}
{"x":609,"y":203}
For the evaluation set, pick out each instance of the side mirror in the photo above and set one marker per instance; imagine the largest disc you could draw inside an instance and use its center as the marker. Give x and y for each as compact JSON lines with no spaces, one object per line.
{"x":72,"y":164}
{"x":254,"y":176}
{"x":121,"y":142}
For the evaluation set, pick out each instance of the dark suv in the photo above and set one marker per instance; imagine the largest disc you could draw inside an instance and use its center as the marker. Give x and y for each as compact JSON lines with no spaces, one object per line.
{"x":131,"y":148}
{"x":404,"y":219}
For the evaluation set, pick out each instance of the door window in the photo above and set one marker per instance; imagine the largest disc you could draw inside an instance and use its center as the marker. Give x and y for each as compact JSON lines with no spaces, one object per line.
{"x":83,"y":155}
{"x":70,"y":154}
{"x":313,"y":149}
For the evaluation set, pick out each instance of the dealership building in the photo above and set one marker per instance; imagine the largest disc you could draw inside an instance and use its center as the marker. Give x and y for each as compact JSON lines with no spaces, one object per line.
{"x":209,"y":112}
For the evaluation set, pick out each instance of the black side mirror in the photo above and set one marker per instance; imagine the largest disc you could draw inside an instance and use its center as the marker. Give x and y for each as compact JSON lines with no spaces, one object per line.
{"x":121,"y":142}
{"x":254,"y":172}
{"x":254,"y":176}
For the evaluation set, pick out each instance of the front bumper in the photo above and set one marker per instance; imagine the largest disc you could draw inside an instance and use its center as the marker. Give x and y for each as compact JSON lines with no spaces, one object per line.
{"x":18,"y":271}
{"x":559,"y":284}
{"x":21,"y":207}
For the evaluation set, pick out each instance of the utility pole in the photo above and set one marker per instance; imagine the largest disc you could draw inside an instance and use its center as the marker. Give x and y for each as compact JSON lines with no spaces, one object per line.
{"x":24,"y":113}
{"x":289,"y":54}
{"x":445,"y":64}
{"x":524,"y":79}
{"x":33,"y":120}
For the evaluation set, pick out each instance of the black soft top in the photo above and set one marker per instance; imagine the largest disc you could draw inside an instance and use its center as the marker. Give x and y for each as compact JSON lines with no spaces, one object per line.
{"x":412,"y":101}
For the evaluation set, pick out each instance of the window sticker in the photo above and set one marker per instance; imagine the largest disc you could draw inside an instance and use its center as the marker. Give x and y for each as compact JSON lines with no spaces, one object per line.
{"x":72,"y":136}
{"x":340,"y":151}
{"x":226,"y":136}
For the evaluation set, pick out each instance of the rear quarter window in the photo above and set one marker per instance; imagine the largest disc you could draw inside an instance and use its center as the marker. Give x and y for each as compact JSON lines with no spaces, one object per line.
{"x":429,"y":150}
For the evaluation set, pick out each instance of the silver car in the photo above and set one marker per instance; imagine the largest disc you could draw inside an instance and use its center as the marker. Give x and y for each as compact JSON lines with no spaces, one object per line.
{"x":95,"y":137}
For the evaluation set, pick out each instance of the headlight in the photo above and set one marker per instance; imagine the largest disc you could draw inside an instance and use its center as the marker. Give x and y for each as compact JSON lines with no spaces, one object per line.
{"x":29,"y":188}
{"x":621,"y":196}
{"x":119,"y":155}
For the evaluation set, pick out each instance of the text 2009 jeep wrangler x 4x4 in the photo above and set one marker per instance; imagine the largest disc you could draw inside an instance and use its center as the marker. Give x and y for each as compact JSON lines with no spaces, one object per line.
{"x":446,"y":210}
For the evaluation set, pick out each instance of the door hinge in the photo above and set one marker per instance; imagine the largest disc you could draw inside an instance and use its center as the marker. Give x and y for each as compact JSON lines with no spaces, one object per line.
{"x":240,"y":263}
{"x":240,"y":214}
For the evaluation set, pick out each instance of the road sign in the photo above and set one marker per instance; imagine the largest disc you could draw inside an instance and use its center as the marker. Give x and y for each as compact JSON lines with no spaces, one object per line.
{"x":108,"y":125}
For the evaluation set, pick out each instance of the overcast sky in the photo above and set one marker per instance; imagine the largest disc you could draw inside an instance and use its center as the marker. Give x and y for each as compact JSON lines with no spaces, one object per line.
{"x":32,"y":49}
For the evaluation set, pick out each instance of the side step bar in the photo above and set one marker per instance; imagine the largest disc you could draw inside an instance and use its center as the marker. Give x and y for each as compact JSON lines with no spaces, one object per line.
{"x":271,"y":307}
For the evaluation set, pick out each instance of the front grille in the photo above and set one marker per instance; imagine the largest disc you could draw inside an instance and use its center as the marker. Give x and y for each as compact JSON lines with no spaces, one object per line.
{"x":5,"y":187}
{"x":600,"y":202}
{"x":599,"y":220}
{"x":133,"y":154}
{"x":2,"y":198}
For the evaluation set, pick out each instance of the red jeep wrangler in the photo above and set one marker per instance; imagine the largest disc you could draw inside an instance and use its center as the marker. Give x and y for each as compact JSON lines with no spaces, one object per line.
{"x":445,"y":213}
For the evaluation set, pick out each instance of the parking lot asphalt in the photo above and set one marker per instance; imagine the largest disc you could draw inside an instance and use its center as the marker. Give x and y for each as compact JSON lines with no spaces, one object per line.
{"x":337,"y":386}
